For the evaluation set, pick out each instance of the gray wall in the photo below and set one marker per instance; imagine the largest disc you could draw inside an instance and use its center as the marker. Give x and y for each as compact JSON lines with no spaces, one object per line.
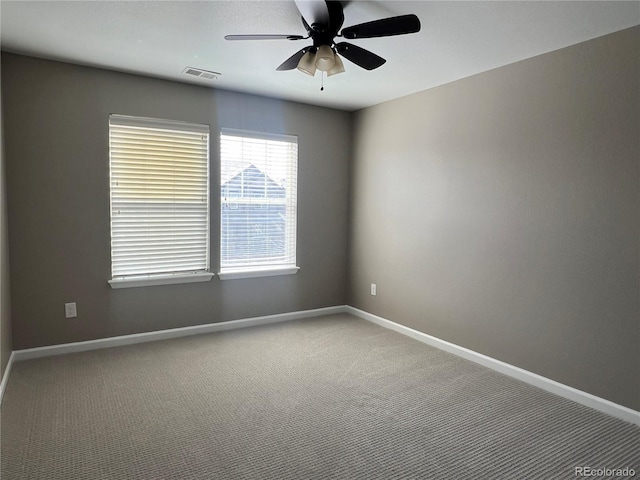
{"x":5,"y":301}
{"x":56,"y":144}
{"x":501,"y":213}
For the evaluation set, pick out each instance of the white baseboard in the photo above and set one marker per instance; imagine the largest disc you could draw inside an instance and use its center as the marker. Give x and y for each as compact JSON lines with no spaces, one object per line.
{"x":557,"y":388}
{"x":5,"y":376}
{"x":119,"y":341}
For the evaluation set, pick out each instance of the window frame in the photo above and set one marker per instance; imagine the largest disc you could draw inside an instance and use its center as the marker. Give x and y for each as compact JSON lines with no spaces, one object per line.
{"x":259,"y":269}
{"x":186,"y":275}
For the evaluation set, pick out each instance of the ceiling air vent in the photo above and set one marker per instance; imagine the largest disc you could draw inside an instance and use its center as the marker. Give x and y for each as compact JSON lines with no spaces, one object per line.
{"x":198,"y":72}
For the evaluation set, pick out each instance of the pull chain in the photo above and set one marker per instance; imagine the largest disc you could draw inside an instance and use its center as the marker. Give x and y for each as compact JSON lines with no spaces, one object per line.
{"x":322,"y":82}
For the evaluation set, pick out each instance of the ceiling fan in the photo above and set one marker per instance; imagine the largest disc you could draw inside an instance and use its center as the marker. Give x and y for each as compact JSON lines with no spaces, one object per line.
{"x":323,"y":21}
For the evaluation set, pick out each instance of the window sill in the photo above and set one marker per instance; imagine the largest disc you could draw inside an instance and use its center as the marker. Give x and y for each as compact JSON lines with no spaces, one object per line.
{"x":236,"y":273}
{"x":151,"y":280}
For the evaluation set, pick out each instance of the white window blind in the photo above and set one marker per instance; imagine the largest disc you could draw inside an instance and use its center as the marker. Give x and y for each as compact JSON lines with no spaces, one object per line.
{"x":258,"y":188}
{"x":159,"y":172}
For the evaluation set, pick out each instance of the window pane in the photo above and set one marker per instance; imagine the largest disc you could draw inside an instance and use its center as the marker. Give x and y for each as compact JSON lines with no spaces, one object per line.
{"x":258,"y":199}
{"x":159,"y":196}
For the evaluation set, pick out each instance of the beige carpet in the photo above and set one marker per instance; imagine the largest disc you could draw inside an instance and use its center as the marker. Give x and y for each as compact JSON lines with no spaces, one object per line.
{"x":331,"y":397}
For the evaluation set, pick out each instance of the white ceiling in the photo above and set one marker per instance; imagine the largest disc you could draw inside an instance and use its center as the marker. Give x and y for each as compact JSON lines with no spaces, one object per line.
{"x":161,"y":38}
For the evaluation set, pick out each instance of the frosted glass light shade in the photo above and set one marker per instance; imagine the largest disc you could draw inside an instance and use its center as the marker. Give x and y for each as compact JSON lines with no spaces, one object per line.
{"x":325,"y":58}
{"x":338,"y":67}
{"x":307,"y":64}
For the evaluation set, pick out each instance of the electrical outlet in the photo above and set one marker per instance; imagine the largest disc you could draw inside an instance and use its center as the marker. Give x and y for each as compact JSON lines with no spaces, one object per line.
{"x":70,"y":310}
{"x":373,"y":289}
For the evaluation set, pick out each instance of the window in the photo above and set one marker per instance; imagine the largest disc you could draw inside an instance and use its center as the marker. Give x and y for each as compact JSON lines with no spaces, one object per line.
{"x":159,"y":174}
{"x":258,"y":198}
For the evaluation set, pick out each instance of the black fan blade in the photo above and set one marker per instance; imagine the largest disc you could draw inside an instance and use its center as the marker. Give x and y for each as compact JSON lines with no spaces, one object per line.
{"x":292,"y":62}
{"x":360,"y":56}
{"x":264,"y":37}
{"x":384,"y":28}
{"x":313,"y":11}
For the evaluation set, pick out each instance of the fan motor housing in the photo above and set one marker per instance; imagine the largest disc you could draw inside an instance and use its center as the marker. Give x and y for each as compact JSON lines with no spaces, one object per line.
{"x":323,"y":34}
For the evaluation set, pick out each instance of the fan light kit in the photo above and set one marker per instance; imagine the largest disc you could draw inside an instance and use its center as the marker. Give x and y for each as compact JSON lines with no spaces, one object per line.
{"x":323,"y":21}
{"x":323,"y":59}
